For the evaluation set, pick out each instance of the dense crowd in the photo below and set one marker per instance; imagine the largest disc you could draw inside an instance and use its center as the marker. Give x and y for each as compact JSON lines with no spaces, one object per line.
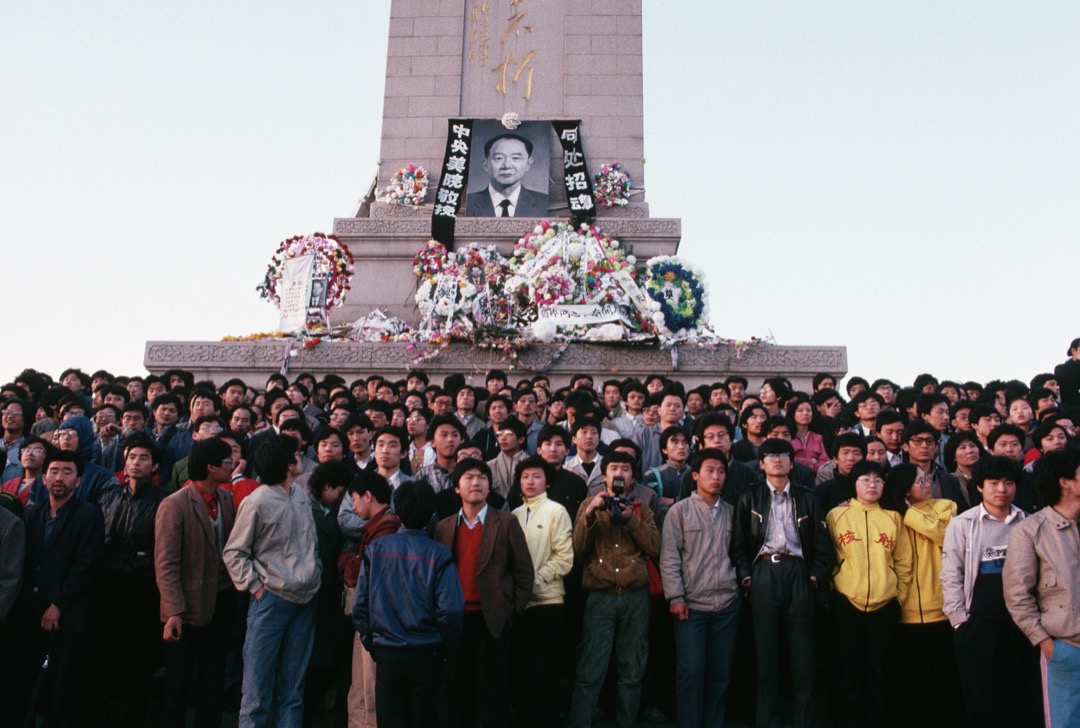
{"x":409,"y":553}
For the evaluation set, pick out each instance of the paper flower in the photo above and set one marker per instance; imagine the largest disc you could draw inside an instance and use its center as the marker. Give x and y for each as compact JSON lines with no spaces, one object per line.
{"x":612,"y":185}
{"x":511,"y":120}
{"x":679,"y":289}
{"x":407,"y":187}
{"x":333,"y":261}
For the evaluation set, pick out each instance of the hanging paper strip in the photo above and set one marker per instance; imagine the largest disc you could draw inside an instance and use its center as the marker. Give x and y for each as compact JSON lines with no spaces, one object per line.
{"x":453,"y":182}
{"x":576,"y":179}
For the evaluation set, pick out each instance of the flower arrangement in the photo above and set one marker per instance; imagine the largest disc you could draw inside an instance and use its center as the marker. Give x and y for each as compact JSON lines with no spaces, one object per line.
{"x":561,"y":263}
{"x":679,"y":288}
{"x":612,"y":185}
{"x":333,"y":262}
{"x":407,"y":187}
{"x":429,"y":262}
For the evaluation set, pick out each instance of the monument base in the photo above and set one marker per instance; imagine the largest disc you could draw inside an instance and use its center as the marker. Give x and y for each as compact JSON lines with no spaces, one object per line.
{"x":692,"y":364}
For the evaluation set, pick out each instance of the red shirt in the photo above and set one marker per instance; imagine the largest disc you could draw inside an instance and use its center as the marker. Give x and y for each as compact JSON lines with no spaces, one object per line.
{"x":466,"y":554}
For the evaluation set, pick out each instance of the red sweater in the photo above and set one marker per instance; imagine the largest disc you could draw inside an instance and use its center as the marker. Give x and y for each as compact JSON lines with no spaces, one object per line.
{"x":466,"y":554}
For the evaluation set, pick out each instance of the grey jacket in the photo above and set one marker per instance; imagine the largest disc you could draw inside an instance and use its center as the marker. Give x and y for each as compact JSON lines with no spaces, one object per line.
{"x":695,"y":555}
{"x":274,"y":545}
{"x":960,"y":560}
{"x":1042,"y":584}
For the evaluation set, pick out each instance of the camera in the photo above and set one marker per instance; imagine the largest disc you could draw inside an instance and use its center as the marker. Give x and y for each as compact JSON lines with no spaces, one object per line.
{"x":616,"y":502}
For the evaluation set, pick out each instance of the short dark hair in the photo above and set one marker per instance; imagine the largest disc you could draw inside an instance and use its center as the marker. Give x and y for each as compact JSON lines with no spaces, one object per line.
{"x":1005,"y":429}
{"x":334,"y":474}
{"x":821,"y":377}
{"x":898,"y":484}
{"x":534,"y":462}
{"x":670,"y":432}
{"x":926,"y":402}
{"x":507,"y":135}
{"x":1053,"y":466}
{"x":369,"y":481}
{"x":274,"y":457}
{"x":358,"y":419}
{"x":776,"y":446}
{"x":398,"y":432}
{"x":919,"y":427}
{"x":550,"y":431}
{"x":144,"y":441}
{"x":414,"y":503}
{"x":516,"y":426}
{"x":327,"y":434}
{"x":465,"y":466}
{"x":847,"y":439}
{"x":953,"y":444}
{"x":446,"y":419}
{"x":775,"y":422}
{"x":866,"y":467}
{"x":711,"y":419}
{"x":708,"y":453}
{"x":66,"y":456}
{"x":995,"y":467}
{"x":617,"y":456}
{"x":204,"y":453}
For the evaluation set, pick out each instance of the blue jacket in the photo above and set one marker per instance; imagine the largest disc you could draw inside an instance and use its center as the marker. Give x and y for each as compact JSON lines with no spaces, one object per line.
{"x":408,"y":595}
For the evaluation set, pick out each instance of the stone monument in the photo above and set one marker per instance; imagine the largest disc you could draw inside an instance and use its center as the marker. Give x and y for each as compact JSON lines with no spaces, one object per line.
{"x":542,"y":60}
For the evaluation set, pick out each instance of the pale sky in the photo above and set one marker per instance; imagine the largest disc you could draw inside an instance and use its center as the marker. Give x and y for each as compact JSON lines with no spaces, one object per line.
{"x":898,"y":178}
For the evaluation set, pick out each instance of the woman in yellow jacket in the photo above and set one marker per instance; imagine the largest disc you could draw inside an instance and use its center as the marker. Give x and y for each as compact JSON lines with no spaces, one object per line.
{"x":872,"y":578}
{"x":925,"y":634}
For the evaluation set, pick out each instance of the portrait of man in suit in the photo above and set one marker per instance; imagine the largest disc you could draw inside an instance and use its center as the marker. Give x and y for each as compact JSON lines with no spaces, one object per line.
{"x":513,"y":163}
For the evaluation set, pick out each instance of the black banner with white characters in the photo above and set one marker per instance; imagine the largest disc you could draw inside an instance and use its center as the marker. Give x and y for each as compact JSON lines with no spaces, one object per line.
{"x":453,"y":181}
{"x":579,"y":186}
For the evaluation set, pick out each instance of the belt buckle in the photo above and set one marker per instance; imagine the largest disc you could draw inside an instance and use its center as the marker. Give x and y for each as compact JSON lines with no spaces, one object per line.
{"x":774,"y":558}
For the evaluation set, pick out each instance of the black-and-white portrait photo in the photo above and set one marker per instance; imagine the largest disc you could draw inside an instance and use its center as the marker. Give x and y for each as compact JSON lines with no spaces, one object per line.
{"x":508,"y":170}
{"x":317,"y":299}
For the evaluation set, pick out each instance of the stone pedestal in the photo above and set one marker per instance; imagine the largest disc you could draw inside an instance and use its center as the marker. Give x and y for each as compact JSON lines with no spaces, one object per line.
{"x":254,"y":361}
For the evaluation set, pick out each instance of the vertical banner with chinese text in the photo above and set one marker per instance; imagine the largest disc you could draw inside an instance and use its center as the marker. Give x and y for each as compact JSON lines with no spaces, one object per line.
{"x":452,"y":182}
{"x":578,"y":183}
{"x":295,"y":292}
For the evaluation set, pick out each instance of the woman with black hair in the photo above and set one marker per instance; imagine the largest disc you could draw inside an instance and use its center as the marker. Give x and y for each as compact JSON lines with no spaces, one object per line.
{"x":872,"y":575}
{"x":924,"y":637}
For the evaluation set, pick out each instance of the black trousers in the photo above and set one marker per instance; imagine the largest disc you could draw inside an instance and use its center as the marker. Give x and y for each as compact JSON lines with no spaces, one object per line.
{"x":124,"y":649}
{"x":999,"y":672}
{"x":782,"y":601}
{"x":864,"y":652}
{"x":927,"y":649}
{"x":197,"y":660}
{"x":64,"y":678}
{"x":478,"y":676}
{"x":407,"y":687}
{"x":537,"y":642}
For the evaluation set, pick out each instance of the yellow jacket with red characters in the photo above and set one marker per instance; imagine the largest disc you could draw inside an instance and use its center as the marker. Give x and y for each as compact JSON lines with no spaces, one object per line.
{"x":873,"y":556}
{"x":924,"y":527}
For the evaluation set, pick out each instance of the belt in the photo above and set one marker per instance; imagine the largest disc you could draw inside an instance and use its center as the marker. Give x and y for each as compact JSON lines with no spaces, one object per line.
{"x":778,"y":558}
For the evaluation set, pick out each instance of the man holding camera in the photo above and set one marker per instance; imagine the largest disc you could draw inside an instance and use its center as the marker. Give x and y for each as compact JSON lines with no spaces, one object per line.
{"x":614,"y":536}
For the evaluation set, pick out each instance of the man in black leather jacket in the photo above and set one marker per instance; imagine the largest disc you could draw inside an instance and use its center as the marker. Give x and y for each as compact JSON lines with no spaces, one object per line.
{"x":782,"y":555}
{"x":125,"y":638}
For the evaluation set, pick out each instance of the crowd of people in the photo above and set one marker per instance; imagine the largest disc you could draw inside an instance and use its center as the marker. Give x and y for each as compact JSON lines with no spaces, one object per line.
{"x":400,"y":552}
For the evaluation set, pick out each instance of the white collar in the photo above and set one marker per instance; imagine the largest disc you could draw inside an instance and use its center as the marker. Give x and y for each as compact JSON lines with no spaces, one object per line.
{"x":480,"y":517}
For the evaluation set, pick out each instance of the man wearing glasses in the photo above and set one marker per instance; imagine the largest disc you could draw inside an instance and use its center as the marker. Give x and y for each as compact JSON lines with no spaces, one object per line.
{"x":920,"y":442}
{"x":13,"y":419}
{"x":782,"y":556}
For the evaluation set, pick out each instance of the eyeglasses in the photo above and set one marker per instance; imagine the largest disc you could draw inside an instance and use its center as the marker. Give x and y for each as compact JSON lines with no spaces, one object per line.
{"x":927,"y":440}
{"x":34,"y":450}
{"x":777,"y":456}
{"x":67,"y":433}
